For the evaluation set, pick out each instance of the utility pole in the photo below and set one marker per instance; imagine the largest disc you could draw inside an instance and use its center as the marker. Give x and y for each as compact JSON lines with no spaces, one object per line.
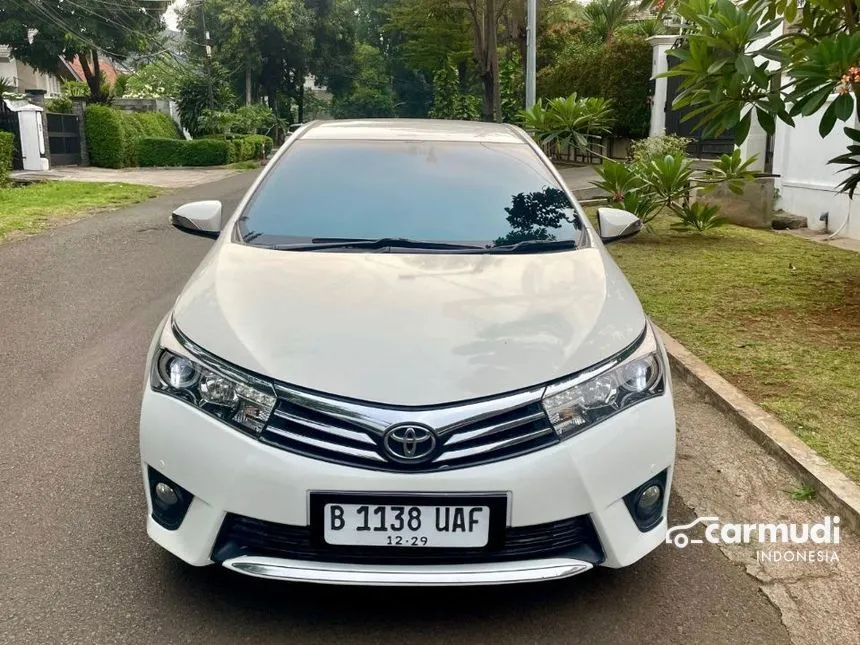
{"x":531,"y":52}
{"x":208,"y":55}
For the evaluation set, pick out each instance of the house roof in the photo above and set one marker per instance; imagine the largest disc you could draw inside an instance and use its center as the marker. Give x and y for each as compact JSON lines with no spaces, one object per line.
{"x":104,"y":64}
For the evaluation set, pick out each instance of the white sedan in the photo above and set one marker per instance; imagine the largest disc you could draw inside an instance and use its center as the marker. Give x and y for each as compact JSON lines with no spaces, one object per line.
{"x":408,"y":359}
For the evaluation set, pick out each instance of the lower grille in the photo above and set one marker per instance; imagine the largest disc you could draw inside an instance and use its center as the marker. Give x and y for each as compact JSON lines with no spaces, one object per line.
{"x":573,"y":537}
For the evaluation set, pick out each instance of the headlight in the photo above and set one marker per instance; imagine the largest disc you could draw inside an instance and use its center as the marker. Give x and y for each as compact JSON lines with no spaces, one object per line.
{"x":187,"y":372}
{"x":580,"y":402}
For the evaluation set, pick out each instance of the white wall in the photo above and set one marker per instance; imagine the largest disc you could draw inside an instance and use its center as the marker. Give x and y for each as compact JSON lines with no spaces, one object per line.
{"x":807,"y":184}
{"x":24,"y":77}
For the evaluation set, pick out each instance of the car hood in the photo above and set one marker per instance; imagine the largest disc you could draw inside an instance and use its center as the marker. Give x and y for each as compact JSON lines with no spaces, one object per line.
{"x":409,"y":329}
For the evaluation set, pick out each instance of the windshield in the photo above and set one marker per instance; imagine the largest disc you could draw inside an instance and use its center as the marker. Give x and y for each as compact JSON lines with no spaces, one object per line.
{"x":476,"y":194}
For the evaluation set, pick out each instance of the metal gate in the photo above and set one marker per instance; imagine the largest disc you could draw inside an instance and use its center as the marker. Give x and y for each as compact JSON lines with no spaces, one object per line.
{"x":701,"y":147}
{"x":9,"y":123}
{"x":64,"y":139}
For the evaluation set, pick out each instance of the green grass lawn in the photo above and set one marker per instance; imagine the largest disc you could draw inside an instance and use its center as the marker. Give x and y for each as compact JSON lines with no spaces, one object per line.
{"x":29,"y":209}
{"x":776,"y":315}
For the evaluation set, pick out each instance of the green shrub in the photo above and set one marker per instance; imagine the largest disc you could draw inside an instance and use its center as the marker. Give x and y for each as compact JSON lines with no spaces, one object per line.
{"x":619,"y":71}
{"x":145,"y":124}
{"x":158,"y":151}
{"x":645,"y":151}
{"x":155,"y":151}
{"x":251,"y":119}
{"x":105,"y":136}
{"x":61,"y":105}
{"x":193,"y":95}
{"x":7,"y":144}
{"x":262,"y":145}
{"x":205,"y":152}
{"x":113,"y":135}
{"x":625,"y":72}
{"x":568,"y":121}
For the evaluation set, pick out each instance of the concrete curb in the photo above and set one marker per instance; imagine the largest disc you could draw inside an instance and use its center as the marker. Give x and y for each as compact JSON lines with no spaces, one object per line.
{"x":832,"y":487}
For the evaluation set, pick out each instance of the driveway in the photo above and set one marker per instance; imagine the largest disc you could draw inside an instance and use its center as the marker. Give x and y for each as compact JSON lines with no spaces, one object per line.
{"x":79,"y":305}
{"x":162,"y":177}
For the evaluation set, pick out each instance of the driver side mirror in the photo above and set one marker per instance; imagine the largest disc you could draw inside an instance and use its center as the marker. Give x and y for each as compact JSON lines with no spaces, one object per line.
{"x":615,"y":224}
{"x":199,"y":218}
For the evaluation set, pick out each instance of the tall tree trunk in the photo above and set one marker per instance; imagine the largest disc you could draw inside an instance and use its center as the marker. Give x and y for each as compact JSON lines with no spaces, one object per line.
{"x":301,"y":101}
{"x":92,"y":75}
{"x":491,"y":109}
{"x":248,"y":83}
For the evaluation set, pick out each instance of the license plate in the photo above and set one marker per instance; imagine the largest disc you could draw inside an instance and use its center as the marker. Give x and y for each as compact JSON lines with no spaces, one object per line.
{"x":406,"y":525}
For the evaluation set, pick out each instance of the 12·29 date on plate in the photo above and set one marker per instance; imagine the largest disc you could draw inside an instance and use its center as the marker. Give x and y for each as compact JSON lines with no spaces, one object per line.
{"x":406,"y":525}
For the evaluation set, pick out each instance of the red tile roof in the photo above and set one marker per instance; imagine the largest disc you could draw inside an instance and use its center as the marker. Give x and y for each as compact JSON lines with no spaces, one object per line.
{"x":104,"y":64}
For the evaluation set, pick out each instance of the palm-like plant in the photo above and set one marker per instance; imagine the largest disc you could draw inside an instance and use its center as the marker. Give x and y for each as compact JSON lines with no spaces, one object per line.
{"x":649,"y":184}
{"x":568,"y":121}
{"x":606,"y":16}
{"x":668,"y":177}
{"x":698,"y":216}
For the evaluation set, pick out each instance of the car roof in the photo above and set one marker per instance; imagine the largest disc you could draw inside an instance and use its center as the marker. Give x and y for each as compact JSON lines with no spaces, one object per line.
{"x":413,"y":130}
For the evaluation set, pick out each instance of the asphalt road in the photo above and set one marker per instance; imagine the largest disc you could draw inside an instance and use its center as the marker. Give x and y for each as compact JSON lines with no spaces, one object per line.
{"x":78,"y":306}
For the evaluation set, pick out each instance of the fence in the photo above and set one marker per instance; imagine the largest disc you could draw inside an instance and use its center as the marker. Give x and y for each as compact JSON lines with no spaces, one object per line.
{"x":64,"y":139}
{"x":595,"y":153}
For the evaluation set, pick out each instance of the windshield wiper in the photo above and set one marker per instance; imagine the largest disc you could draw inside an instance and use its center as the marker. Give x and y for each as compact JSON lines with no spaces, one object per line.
{"x":532,"y":246}
{"x":319,"y":244}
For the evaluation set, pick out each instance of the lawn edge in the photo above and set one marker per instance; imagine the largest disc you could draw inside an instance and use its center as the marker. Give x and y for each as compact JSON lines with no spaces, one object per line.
{"x":833,"y":487}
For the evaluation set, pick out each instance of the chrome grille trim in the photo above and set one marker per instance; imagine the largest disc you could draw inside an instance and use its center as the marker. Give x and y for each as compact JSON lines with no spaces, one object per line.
{"x":315,"y":425}
{"x":493,"y":429}
{"x":355,"y":452}
{"x":351,"y":432}
{"x":468,"y":452}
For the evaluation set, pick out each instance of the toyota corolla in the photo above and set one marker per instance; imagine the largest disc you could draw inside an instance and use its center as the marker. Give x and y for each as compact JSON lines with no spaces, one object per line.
{"x":407,"y":359}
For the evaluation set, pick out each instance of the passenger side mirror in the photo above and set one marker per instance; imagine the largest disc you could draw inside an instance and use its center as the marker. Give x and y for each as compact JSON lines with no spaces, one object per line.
{"x":615,"y":224}
{"x":198,"y":218}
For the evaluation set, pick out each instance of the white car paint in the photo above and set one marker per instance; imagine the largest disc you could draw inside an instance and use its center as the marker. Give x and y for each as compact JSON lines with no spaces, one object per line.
{"x":450,"y":327}
{"x":408,"y":329}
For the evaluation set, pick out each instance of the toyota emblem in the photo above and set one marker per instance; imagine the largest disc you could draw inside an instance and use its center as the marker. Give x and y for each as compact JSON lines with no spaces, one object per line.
{"x":409,"y":443}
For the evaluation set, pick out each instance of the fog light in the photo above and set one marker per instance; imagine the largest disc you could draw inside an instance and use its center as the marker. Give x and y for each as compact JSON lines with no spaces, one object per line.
{"x":645,"y":503}
{"x":166,"y":494}
{"x":648,"y":499}
{"x":170,"y":502}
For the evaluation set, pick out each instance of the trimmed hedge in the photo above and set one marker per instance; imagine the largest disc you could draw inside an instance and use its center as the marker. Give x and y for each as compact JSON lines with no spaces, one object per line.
{"x":619,"y":71}
{"x":105,"y":136}
{"x":113,"y":135}
{"x":153,"y":151}
{"x":209,"y":151}
{"x":7,"y":145}
{"x":262,"y":145}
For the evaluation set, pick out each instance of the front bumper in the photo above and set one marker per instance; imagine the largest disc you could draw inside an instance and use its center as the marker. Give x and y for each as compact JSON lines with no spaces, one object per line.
{"x":405,"y":576}
{"x":230,"y":474}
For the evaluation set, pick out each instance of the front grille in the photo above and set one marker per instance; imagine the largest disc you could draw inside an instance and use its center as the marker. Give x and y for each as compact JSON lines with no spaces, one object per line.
{"x":352,"y":433}
{"x":574,"y":537}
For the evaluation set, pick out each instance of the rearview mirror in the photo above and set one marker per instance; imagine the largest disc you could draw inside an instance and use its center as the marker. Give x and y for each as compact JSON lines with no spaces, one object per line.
{"x":616,"y":224}
{"x":199,"y":218}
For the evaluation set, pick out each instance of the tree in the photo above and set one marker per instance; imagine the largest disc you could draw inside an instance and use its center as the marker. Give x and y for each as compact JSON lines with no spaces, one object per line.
{"x":372,"y":94}
{"x":605,"y":17}
{"x":485,"y":24}
{"x":40,"y":32}
{"x":738,"y":61}
{"x":437,"y":31}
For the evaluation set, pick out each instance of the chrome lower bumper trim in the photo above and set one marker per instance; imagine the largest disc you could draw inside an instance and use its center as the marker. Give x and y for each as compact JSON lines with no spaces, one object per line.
{"x":495,"y":573}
